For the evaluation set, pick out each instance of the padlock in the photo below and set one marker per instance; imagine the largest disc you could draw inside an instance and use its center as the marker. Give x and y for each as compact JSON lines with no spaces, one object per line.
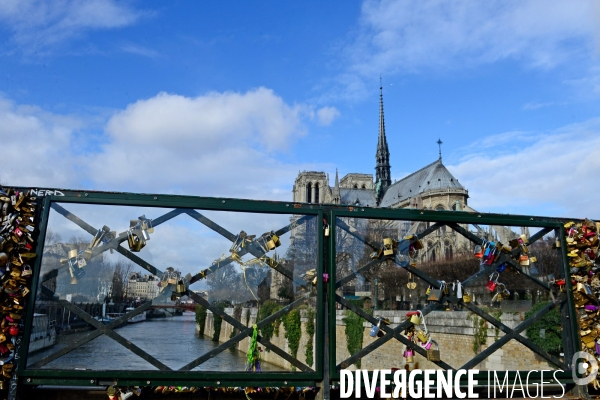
{"x":375,"y":329}
{"x":434,"y":354}
{"x":74,"y":280}
{"x":415,"y":317}
{"x":422,"y":336}
{"x":181,"y":286}
{"x":492,"y":282}
{"x":436,"y":294}
{"x":445,"y":288}
{"x":478,"y":251}
{"x":501,"y":268}
{"x":273,"y":242}
{"x":408,"y":354}
{"x":466,"y":297}
{"x":326,"y":229}
{"x":428,"y":291}
{"x":388,"y":247}
{"x":135,"y":242}
{"x":26,"y":271}
{"x":524,"y":260}
{"x":72,"y":254}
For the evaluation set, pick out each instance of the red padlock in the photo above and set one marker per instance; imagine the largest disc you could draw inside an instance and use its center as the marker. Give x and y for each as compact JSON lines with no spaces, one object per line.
{"x":13,"y":330}
{"x":493,"y":282}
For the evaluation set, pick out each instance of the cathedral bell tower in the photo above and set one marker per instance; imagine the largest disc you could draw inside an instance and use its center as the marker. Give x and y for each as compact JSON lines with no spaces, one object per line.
{"x":382,"y":169}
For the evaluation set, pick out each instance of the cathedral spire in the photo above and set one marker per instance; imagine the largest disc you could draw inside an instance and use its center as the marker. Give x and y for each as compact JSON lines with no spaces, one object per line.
{"x":382,"y":156}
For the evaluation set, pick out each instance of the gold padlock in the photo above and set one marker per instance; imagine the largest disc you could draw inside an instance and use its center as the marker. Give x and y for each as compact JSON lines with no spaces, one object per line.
{"x":72,"y":254}
{"x":415,"y":318}
{"x":388,"y":247}
{"x":273,"y":242}
{"x":422,"y":336}
{"x":434,"y":354}
{"x":327,"y":230}
{"x":181,"y":286}
{"x":466,"y":297}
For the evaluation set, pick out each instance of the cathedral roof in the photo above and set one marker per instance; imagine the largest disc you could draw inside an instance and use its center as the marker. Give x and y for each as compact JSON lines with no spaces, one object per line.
{"x":364,"y":197}
{"x":431,"y":177}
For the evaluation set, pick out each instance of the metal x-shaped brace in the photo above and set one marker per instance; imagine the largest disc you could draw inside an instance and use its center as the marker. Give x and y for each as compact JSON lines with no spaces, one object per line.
{"x":403,"y":245}
{"x":114,"y":243}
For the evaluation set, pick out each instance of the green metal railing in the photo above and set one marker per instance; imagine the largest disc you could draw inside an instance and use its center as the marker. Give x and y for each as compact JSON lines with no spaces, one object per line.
{"x":325,"y":294}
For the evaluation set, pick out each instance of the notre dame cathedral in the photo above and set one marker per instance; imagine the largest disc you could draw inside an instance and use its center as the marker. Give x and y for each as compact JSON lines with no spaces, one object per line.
{"x":432,"y":187}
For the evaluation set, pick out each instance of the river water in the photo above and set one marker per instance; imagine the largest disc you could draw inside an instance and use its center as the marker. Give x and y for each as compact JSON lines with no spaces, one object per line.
{"x":173,"y":341}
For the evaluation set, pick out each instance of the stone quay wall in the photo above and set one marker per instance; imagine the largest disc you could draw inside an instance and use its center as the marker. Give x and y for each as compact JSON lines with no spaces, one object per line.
{"x":450,"y":329}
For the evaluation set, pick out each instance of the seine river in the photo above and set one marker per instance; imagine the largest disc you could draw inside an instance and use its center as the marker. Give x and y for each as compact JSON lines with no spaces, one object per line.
{"x":173,"y":341}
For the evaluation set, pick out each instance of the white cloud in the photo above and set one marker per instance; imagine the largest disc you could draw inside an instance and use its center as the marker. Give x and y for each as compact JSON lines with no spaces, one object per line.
{"x":37,"y":24}
{"x":219,"y":144}
{"x":38,"y":148}
{"x":553,"y":174}
{"x":326,"y":115}
{"x":416,"y":35}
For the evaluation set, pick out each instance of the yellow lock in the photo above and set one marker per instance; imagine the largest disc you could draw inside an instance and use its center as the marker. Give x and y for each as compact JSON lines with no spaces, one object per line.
{"x":466,"y":297}
{"x":388,"y":247}
{"x":422,"y":336}
{"x":415,"y":318}
{"x":273,"y":242}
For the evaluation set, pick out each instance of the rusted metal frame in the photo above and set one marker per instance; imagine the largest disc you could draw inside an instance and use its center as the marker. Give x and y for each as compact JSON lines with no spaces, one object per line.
{"x":390,"y":333}
{"x":511,"y":334}
{"x":104,"y":329}
{"x":247,"y":332}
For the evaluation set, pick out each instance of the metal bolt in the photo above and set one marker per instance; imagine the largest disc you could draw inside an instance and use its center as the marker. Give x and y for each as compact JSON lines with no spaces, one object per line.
{"x":223,"y":201}
{"x":479,"y":216}
{"x":287,"y":205}
{"x":86,"y":195}
{"x":422,"y":212}
{"x":91,"y":381}
{"x":28,"y":379}
{"x":531,"y":219}
{"x":147,"y":382}
{"x":285,"y":382}
{"x":362,"y":209}
{"x":219,"y":382}
{"x":155,"y":198}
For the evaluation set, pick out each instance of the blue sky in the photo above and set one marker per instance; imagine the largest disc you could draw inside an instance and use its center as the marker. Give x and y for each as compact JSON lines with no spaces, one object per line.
{"x":234,"y":98}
